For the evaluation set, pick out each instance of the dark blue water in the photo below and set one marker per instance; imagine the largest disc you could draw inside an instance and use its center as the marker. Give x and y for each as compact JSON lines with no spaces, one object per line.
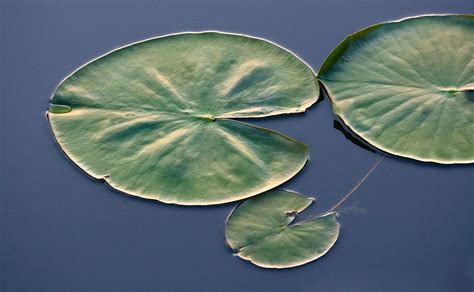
{"x":408,"y":228}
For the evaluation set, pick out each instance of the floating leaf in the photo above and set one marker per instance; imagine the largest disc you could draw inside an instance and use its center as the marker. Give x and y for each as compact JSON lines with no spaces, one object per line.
{"x":154,"y":119}
{"x":260,"y":230}
{"x":407,"y":87}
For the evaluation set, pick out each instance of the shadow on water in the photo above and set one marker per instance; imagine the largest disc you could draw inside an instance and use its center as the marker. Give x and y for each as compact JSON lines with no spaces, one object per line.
{"x":349,"y":136}
{"x":339,"y":125}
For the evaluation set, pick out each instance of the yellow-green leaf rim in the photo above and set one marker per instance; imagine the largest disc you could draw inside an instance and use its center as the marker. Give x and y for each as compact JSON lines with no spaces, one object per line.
{"x":155,"y":119}
{"x":262,"y":231}
{"x":407,"y":87}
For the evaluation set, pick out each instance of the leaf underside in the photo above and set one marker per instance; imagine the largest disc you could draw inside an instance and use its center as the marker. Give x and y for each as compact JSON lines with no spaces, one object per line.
{"x":260,"y":230}
{"x":407,"y":87}
{"x":155,"y":119}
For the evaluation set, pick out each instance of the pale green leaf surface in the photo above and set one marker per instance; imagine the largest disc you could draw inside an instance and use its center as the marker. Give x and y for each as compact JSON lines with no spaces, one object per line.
{"x":407,"y":87}
{"x":154,"y":119}
{"x":260,"y":230}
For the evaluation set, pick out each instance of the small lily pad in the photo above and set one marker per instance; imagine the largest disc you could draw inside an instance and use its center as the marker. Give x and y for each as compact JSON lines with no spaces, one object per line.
{"x":407,"y":87}
{"x":261,"y":230}
{"x":156,"y":119}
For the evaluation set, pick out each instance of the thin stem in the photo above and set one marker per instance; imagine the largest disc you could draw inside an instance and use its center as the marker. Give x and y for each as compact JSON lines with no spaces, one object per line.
{"x":346,"y":196}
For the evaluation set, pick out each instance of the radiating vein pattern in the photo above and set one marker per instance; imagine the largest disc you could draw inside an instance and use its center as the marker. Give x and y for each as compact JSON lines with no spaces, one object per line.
{"x":152,"y":118}
{"x":407,"y":87}
{"x":261,"y":230}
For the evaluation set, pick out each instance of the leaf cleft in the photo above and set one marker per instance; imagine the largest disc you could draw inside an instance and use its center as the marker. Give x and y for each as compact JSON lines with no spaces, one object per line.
{"x":262,"y":231}
{"x":404,"y":90}
{"x":154,"y":116}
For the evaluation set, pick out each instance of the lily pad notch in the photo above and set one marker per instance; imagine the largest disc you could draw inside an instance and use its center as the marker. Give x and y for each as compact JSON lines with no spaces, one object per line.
{"x":407,"y":87}
{"x":262,"y":229}
{"x":156,"y":118}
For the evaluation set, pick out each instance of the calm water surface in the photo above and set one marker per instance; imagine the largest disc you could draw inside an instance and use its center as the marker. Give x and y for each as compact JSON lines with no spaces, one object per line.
{"x":408,"y":228}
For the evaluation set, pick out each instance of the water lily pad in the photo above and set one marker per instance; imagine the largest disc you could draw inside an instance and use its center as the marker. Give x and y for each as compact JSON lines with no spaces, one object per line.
{"x":260,"y":230}
{"x":407,"y":87}
{"x":155,"y":119}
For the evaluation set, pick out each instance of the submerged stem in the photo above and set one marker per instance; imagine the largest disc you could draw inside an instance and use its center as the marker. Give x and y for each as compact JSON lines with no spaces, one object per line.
{"x":346,"y":196}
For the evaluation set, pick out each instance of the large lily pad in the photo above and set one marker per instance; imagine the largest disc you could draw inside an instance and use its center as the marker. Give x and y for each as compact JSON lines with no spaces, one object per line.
{"x":407,"y":87}
{"x":154,"y":119}
{"x":260,"y":230}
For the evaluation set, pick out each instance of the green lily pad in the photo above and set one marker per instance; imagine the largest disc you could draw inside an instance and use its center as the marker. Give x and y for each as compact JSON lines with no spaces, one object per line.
{"x":407,"y":87}
{"x":155,"y":119}
{"x":260,"y":230}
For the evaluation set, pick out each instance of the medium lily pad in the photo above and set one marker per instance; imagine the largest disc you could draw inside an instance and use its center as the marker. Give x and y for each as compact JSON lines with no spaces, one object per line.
{"x":260,"y":230}
{"x":407,"y":87}
{"x":155,"y":119}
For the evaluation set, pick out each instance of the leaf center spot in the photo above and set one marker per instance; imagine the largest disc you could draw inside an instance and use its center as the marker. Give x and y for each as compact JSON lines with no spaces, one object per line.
{"x":452,"y":93}
{"x":449,"y":92}
{"x":207,"y":118}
